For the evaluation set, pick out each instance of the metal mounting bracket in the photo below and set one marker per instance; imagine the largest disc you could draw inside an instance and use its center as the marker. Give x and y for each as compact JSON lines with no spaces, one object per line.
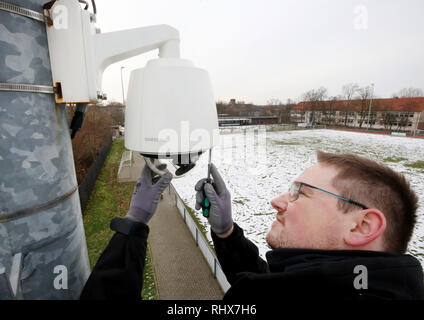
{"x":24,"y":12}
{"x":20,"y":87}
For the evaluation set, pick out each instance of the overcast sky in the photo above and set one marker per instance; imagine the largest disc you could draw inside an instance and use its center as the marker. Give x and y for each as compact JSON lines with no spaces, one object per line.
{"x":258,"y":50}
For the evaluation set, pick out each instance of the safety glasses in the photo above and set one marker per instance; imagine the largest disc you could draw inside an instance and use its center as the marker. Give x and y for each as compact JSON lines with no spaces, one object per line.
{"x":296,"y":187}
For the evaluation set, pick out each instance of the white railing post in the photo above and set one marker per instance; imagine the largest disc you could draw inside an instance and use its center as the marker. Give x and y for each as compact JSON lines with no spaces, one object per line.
{"x":197,"y":240}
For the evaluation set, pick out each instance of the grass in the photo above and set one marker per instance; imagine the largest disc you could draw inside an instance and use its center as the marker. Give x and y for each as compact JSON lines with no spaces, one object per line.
{"x":199,"y":225}
{"x":108,"y":200}
{"x":282,"y":128}
{"x":149,"y":285}
{"x":297,"y":143}
{"x":264,"y":214}
{"x":417,"y":164}
{"x":394,"y":159}
{"x":239,"y":201}
{"x":284,"y":143}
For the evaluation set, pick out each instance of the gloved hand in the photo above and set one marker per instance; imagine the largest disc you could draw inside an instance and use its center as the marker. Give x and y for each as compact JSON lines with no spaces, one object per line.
{"x":147,"y":192}
{"x":220,"y":217}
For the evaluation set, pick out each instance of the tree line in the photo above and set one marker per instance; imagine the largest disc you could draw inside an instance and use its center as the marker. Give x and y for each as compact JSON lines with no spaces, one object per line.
{"x":356,"y":99}
{"x":94,"y":134}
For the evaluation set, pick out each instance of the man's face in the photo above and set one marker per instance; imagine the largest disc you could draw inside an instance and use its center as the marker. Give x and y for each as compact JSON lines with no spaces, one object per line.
{"x":313,"y":220}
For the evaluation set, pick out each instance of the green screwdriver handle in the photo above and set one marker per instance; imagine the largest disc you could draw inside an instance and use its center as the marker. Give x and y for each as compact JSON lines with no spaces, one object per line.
{"x":205,"y":205}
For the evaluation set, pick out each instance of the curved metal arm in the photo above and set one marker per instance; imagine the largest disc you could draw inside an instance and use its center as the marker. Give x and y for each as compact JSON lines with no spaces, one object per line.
{"x":112,"y":47}
{"x":153,"y":167}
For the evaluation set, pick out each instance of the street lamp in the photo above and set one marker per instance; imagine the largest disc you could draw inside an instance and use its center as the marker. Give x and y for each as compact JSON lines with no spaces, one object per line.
{"x":122,"y":84}
{"x":369,"y":109}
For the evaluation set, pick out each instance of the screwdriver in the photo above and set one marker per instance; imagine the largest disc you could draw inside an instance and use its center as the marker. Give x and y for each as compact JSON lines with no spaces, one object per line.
{"x":206,"y":203}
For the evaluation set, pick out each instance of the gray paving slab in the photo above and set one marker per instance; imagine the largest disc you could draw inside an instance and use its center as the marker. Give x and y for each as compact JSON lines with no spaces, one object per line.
{"x":182,"y":272}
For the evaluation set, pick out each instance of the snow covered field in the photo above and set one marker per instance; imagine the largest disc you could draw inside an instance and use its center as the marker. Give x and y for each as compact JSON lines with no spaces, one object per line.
{"x":259,"y":166}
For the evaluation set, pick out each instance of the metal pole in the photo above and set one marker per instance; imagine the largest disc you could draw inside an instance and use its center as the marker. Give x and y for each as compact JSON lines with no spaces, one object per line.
{"x":416,"y":125}
{"x":122,"y":84}
{"x":369,"y":109}
{"x":43,"y":252}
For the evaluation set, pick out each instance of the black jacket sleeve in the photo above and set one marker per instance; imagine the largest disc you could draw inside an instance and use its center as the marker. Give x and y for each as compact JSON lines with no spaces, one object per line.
{"x":237,"y":254}
{"x":118,"y":274}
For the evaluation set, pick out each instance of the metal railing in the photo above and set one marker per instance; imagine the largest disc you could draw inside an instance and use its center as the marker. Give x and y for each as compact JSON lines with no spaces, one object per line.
{"x":201,"y":242}
{"x":267,"y":127}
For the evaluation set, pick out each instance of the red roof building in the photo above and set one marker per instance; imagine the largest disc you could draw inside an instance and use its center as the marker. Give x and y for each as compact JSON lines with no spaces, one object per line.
{"x":399,"y":114}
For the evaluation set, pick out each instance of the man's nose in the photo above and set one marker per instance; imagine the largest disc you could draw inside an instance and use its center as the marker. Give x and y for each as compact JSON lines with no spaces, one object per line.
{"x":280,"y":203}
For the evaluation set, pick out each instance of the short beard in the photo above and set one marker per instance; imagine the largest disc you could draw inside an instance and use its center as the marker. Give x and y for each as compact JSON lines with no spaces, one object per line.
{"x":279,"y":239}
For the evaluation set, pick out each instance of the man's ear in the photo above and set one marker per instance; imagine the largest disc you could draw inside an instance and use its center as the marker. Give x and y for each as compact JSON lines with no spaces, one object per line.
{"x":367,"y":226}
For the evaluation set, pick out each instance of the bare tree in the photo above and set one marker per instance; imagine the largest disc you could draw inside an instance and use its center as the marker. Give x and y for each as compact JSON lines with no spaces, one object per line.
{"x":316,"y":98}
{"x":274,"y":102}
{"x":365,"y":94}
{"x":409,"y":93}
{"x":225,"y":108}
{"x":315,"y":94}
{"x":284,"y":111}
{"x":388,"y":119}
{"x":290,"y":102}
{"x":403,"y":121}
{"x":116,"y":111}
{"x":349,"y":90}
{"x":384,"y":110}
{"x":268,"y":111}
{"x":93,"y":136}
{"x":330,"y":113}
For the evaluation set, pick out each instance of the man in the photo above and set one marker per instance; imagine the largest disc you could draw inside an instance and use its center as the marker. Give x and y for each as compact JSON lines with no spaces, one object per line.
{"x":118,"y":274}
{"x":341,"y":232}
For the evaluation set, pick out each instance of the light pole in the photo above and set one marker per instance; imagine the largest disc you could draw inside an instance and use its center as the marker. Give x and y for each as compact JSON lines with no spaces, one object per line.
{"x":122,"y":84}
{"x":369,"y":109}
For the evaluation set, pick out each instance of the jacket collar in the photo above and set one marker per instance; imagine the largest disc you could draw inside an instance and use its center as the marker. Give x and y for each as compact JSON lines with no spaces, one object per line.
{"x":287,"y":259}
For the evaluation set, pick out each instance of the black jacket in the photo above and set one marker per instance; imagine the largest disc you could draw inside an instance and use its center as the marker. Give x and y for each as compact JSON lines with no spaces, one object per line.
{"x":315,"y":274}
{"x":118,"y":274}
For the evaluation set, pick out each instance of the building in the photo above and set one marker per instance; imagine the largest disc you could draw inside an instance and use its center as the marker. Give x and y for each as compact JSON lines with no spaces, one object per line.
{"x":233,"y":121}
{"x":264,"y":120}
{"x":396,"y":114}
{"x":244,"y":121}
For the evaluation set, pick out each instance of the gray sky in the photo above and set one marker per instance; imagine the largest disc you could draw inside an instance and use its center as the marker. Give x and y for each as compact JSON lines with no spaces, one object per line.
{"x":257,"y":50}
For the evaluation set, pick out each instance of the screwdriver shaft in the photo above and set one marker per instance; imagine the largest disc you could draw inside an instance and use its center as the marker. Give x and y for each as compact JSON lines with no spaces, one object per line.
{"x":209,"y":165}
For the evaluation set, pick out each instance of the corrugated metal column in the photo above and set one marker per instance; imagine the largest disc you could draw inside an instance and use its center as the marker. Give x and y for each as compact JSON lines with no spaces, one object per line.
{"x":43,"y":251}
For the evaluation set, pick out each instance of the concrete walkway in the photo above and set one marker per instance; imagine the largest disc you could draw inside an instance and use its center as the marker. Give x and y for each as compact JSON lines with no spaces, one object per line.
{"x":181,"y":271}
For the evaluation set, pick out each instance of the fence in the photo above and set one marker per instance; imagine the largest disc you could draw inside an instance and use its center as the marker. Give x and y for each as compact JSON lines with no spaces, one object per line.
{"x":201,"y":242}
{"x":87,"y":185}
{"x":267,"y":127}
